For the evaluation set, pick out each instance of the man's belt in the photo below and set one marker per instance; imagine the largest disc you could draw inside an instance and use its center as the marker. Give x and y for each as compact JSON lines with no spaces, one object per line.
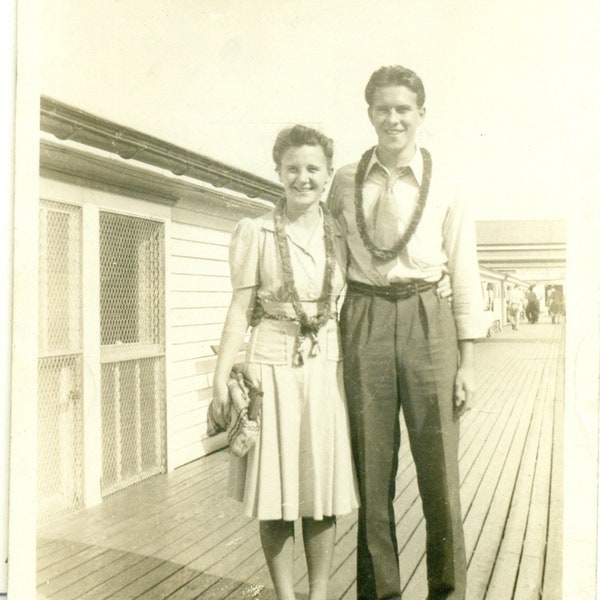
{"x":394,"y":291}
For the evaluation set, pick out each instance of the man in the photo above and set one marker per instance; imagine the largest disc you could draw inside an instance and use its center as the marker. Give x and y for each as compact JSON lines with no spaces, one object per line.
{"x":404,"y":346}
{"x":532,"y":311}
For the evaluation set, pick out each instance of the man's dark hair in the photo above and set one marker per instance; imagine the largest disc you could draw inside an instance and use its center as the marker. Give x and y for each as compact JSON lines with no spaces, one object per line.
{"x":395,"y":75}
{"x":300,"y":135}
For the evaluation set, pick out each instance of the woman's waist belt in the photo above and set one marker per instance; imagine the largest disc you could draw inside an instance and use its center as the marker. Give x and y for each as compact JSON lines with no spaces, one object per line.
{"x":290,"y":318}
{"x":285,"y":310}
{"x":395,"y":291}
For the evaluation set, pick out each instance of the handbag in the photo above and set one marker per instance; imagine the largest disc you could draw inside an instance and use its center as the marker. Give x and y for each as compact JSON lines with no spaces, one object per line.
{"x":243,"y":417}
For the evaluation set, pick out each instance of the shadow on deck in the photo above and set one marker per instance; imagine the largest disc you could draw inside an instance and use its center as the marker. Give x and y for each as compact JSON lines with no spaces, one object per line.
{"x":179,"y":536}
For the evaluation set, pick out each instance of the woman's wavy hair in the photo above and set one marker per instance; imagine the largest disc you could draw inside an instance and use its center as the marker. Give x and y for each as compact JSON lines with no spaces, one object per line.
{"x":300,"y":135}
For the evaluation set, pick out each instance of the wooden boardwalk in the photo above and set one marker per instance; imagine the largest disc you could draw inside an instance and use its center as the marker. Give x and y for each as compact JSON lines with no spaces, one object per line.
{"x":178,"y":536}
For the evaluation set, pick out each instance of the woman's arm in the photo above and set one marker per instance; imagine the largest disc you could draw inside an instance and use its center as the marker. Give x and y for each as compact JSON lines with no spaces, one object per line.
{"x":234,"y":331}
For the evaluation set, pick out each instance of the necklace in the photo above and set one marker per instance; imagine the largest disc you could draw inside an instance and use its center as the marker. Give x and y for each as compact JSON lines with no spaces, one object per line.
{"x":309,"y":326}
{"x":298,"y":237}
{"x":386,"y":254}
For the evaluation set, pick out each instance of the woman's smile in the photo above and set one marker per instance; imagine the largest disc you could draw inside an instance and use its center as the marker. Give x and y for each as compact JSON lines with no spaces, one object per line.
{"x":304,"y":173}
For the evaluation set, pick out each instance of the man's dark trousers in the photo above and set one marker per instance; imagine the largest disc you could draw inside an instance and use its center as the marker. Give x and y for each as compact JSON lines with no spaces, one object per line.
{"x":404,"y":354}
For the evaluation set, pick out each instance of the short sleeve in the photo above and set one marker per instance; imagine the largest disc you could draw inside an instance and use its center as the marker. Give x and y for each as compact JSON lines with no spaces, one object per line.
{"x":243,"y":254}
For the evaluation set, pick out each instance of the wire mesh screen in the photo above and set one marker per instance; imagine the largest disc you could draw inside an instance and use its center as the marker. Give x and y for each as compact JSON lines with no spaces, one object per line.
{"x":60,"y":441}
{"x":132,"y":338}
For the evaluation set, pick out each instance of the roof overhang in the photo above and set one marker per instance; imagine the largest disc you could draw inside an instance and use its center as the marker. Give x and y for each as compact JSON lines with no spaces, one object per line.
{"x":68,"y":123}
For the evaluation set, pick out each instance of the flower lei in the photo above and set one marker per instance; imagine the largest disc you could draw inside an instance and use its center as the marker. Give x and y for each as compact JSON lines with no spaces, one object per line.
{"x":309,"y":326}
{"x":386,"y":254}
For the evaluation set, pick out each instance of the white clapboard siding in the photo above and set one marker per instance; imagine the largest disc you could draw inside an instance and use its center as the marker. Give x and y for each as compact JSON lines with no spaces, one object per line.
{"x":200,"y":291}
{"x":190,"y":367}
{"x":188,"y":402}
{"x":193,"y":282}
{"x":199,"y":295}
{"x":196,"y":249}
{"x":200,"y":299}
{"x":200,"y":445}
{"x":193,"y":333}
{"x":197,"y":233}
{"x":193,"y":351}
{"x":191,"y":434}
{"x":191,"y":384}
{"x":219,"y":216}
{"x":198,"y":315}
{"x":199,"y":266}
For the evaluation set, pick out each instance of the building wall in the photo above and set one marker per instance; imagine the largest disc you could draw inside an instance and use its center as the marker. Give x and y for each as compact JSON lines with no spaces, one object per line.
{"x":199,"y":296}
{"x":197,"y":291}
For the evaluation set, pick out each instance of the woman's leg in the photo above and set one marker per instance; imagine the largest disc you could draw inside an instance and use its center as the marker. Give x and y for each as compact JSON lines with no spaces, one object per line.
{"x":319,"y":541}
{"x":277,"y":538}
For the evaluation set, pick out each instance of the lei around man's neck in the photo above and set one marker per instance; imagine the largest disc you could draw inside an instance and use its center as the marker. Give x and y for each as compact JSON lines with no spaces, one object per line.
{"x":387,"y":254}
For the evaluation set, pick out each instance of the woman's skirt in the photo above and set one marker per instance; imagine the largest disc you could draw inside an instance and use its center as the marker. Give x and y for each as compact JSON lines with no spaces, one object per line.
{"x":302,"y":464}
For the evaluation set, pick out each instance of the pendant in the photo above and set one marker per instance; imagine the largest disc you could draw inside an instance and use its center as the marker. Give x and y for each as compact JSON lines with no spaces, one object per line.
{"x":314,"y":348}
{"x":298,"y":359}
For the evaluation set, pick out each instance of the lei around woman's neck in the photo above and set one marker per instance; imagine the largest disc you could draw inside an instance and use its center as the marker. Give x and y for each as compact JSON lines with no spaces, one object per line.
{"x":309,"y":326}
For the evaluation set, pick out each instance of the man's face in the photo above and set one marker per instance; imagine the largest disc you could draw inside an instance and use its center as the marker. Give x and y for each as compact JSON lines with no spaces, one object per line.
{"x":396,"y":117}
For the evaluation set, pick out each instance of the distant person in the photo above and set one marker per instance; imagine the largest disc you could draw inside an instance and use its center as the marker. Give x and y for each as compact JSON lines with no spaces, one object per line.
{"x":489,"y":305}
{"x":549,"y":294}
{"x":515,"y":307}
{"x":405,"y":225}
{"x":557,"y":305}
{"x":532,"y":312}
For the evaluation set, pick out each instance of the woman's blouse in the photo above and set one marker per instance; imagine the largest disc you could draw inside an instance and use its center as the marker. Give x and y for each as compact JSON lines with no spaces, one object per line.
{"x":254,"y":261}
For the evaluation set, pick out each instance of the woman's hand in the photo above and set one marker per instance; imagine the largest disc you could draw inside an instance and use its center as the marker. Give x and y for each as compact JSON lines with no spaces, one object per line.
{"x":221,"y":403}
{"x":234,"y":330}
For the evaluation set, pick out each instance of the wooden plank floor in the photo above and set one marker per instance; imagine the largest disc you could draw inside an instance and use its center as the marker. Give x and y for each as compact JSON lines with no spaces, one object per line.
{"x":178,"y":536}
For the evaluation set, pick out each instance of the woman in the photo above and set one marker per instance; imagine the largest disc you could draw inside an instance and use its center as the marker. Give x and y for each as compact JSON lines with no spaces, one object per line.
{"x":286,"y":267}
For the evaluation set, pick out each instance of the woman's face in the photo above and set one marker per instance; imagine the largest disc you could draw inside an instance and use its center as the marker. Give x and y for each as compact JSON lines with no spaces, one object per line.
{"x":304,"y":173}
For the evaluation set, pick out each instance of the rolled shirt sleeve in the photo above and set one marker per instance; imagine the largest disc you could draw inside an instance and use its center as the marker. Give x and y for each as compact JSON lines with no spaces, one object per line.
{"x":460,"y":245}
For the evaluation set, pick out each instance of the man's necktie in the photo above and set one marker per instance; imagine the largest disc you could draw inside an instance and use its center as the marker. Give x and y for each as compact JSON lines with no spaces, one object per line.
{"x":385,"y":216}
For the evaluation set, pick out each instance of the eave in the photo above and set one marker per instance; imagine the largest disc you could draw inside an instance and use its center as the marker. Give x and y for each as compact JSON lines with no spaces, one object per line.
{"x":69,"y":123}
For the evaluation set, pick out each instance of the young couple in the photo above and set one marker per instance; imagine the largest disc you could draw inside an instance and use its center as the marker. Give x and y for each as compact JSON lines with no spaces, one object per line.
{"x":393,"y":228}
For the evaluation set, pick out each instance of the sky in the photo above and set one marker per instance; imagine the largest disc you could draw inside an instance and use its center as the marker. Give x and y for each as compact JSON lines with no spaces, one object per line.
{"x":222,"y":77}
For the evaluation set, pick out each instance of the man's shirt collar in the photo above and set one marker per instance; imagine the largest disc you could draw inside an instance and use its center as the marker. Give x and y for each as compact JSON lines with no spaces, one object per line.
{"x":415,"y":164}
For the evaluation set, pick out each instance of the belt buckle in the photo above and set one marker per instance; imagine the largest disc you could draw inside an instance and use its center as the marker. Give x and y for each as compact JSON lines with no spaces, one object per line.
{"x":412,"y":289}
{"x":404,"y":289}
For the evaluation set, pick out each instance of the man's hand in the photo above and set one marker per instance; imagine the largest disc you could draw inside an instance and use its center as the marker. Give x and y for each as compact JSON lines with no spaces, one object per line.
{"x":444,"y":288}
{"x":464,"y":391}
{"x":464,"y":384}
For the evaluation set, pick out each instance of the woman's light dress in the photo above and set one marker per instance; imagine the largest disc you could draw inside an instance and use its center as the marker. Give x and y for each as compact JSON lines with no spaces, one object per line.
{"x":302,"y":463}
